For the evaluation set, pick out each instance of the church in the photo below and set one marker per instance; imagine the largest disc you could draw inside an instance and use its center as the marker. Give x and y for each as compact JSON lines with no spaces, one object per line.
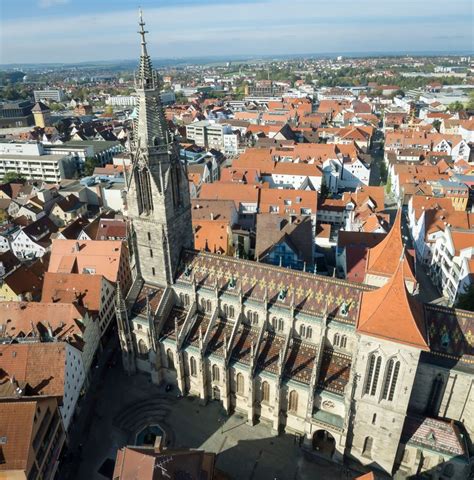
{"x":360,"y":371}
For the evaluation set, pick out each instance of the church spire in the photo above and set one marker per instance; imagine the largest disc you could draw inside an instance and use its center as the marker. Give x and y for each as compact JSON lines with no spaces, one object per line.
{"x":146,"y":78}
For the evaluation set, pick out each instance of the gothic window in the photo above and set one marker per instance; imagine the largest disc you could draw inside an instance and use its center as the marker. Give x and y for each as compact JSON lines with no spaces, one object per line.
{"x":302,"y":330}
{"x":231,"y":312}
{"x":293,"y":402}
{"x":281,"y":324}
{"x":336,"y":340}
{"x":142,"y":349}
{"x":367,"y":450}
{"x":343,"y":343}
{"x":265,"y":392}
{"x":391,"y":376}
{"x":186,"y":300}
{"x":255,"y":317}
{"x":153,"y":271}
{"x":240,"y":384}
{"x":209,"y":306}
{"x":309,"y":332}
{"x":193,"y":367}
{"x":250,"y":315}
{"x":170,"y":359}
{"x":374,"y":418}
{"x":143,"y":189}
{"x":435,"y":394}
{"x":181,"y":298}
{"x":203,"y":304}
{"x":226,"y":310}
{"x":373,"y":372}
{"x":215,"y":373}
{"x":274,"y":323}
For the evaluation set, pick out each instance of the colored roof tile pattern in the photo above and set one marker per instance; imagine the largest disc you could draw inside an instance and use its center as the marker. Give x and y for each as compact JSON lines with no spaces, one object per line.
{"x":222,"y":332}
{"x":177,"y":314}
{"x":451,"y":333}
{"x":335,"y":371}
{"x":433,"y":434}
{"x":153,"y":294}
{"x":201,"y":323}
{"x":311,"y":293}
{"x":270,"y":348}
{"x":300,"y":360}
{"x":391,"y":312}
{"x":243,"y":344}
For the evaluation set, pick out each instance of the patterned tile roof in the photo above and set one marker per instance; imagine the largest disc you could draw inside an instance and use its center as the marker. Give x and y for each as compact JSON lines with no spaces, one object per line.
{"x":177,"y":314}
{"x":433,"y":434}
{"x":243,"y":344}
{"x":335,"y":370}
{"x":300,"y":361}
{"x":270,"y":347}
{"x":222,"y":329}
{"x":451,"y":333}
{"x":154,"y":295}
{"x":311,"y":292}
{"x":201,"y":323}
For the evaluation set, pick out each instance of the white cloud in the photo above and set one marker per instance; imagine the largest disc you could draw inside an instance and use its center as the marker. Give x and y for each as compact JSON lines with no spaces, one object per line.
{"x":266,"y":26}
{"x":51,"y":3}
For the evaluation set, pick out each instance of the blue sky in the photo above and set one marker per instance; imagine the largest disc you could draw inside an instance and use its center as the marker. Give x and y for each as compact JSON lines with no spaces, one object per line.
{"x":81,"y":30}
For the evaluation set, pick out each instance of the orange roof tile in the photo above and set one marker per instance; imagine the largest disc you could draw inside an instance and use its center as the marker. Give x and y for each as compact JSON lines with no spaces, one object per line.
{"x":391,"y":312}
{"x":384,"y":258}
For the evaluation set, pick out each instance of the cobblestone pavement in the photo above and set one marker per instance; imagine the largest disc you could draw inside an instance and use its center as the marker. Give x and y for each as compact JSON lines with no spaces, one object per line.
{"x":122,"y":405}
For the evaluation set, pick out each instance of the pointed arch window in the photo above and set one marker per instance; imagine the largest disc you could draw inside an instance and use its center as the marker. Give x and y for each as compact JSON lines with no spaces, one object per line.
{"x":274,"y":323}
{"x":143,"y":189}
{"x":170,"y":358}
{"x":309,"y":332}
{"x":142,"y":350}
{"x":240,"y":384}
{"x":302,"y":330}
{"x":209,"y":306}
{"x":367,"y":450}
{"x":343,"y":343}
{"x":231,"y":311}
{"x":265,"y":392}
{"x":391,"y":377}
{"x":373,"y":372}
{"x":336,"y":340}
{"x":281,"y":324}
{"x":293,"y":401}
{"x":226,"y":310}
{"x":215,"y":373}
{"x":435,"y":395}
{"x":193,"y":366}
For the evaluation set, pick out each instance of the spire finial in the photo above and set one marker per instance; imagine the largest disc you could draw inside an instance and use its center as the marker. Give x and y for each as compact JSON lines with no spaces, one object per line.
{"x":142,"y":31}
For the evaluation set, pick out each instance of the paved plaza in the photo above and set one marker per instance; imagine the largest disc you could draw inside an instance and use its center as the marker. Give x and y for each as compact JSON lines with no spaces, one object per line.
{"x":119,"y":406}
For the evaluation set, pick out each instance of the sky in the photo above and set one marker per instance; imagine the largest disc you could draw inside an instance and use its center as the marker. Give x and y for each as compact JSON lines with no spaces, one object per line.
{"x":42,"y":31}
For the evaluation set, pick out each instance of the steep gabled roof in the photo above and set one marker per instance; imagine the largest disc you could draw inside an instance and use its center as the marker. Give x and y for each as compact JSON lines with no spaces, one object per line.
{"x":391,"y":312}
{"x":383,"y":259}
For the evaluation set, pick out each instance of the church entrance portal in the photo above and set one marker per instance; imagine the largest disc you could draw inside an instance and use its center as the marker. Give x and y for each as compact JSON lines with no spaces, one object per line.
{"x":324,"y":443}
{"x":216,"y":393}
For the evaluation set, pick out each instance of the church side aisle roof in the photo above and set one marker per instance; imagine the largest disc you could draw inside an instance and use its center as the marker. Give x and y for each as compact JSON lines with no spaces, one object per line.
{"x":222,"y":332}
{"x":241,"y":351}
{"x":300,"y":361}
{"x":312,"y":293}
{"x":177,"y":314}
{"x":335,"y":371}
{"x":153,"y":294}
{"x":390,"y":312}
{"x":269,"y":353}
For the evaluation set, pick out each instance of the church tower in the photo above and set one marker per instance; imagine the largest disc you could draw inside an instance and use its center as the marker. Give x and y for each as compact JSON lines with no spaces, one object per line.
{"x":158,"y":202}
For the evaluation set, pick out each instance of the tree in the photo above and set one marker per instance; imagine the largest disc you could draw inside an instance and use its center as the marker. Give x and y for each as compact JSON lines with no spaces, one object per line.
{"x":466,"y":298}
{"x":388,"y":186}
{"x":437,"y":124}
{"x":89,"y":165}
{"x":14,"y":177}
{"x":455,"y":107}
{"x":470,"y":103}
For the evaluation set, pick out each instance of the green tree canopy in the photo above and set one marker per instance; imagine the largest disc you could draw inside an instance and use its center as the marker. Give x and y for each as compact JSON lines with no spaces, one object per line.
{"x":466,"y":299}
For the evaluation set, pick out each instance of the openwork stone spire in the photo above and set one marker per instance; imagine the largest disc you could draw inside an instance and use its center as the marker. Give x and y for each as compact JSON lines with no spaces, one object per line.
{"x":150,"y":127}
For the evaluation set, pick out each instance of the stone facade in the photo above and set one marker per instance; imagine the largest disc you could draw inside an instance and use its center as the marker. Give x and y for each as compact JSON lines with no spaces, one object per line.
{"x":293,"y":349}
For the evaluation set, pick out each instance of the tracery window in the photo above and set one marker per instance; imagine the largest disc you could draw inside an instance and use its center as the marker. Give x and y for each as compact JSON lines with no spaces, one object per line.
{"x":293,"y":402}
{"x":373,"y":372}
{"x":391,"y":377}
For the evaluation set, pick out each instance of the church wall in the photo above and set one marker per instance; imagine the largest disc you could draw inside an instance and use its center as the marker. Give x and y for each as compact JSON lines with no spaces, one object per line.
{"x":377,"y":423}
